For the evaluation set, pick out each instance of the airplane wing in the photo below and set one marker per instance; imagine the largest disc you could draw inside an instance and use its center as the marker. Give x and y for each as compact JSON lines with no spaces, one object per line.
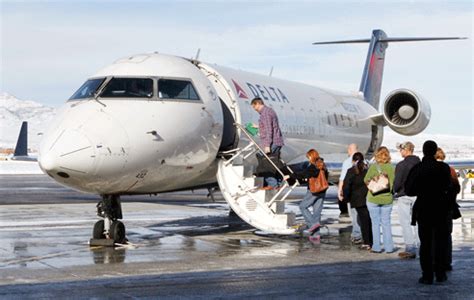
{"x":461,"y":164}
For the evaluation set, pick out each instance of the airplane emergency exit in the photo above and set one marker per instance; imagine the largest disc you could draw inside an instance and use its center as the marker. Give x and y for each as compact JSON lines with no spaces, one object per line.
{"x":153,"y":123}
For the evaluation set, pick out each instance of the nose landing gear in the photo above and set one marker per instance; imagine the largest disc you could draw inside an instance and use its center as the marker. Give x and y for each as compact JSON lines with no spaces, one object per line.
{"x":110,"y":230}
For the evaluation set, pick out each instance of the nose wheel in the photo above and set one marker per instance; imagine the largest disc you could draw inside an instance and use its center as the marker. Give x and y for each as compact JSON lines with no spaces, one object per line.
{"x":116,"y":231}
{"x":110,"y":230}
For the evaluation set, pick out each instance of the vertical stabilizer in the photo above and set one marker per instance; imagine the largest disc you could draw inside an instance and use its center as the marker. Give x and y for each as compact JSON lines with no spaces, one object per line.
{"x":21,"y":148}
{"x":371,"y":82}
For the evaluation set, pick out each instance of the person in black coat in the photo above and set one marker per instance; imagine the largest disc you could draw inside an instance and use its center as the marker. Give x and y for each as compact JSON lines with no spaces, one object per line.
{"x":355,"y":192}
{"x":454,"y":212}
{"x":430,"y":182}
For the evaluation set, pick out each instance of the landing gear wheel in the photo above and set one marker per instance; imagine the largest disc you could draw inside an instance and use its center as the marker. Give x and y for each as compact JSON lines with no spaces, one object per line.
{"x":117,"y":232}
{"x":98,"y":232}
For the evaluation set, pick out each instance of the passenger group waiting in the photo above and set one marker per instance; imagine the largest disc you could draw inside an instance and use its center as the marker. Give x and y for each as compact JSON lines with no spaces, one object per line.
{"x":425,"y":192}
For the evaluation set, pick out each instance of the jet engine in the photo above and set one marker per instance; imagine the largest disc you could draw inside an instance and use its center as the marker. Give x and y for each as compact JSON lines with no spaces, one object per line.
{"x":406,"y":112}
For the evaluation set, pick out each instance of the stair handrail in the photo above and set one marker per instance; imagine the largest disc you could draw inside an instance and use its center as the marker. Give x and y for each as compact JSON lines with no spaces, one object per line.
{"x":242,"y":128}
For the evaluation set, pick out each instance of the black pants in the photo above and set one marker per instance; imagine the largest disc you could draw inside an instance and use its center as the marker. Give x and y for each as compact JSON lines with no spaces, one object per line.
{"x":449,"y":259}
{"x":433,"y":247}
{"x":363,"y":218}
{"x":343,"y":207}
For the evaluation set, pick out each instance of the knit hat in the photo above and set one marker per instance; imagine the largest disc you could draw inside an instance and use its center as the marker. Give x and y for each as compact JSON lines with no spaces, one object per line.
{"x":429,"y":148}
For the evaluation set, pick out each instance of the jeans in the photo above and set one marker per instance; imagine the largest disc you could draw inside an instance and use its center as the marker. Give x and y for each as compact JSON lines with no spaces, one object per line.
{"x":316,"y":201}
{"x":410,"y":233}
{"x":380,"y":215}
{"x":356,"y":233}
{"x":272,"y":181}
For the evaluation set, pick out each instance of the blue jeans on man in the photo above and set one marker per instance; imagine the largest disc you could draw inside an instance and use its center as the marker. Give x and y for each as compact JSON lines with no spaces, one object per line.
{"x":409,"y":232}
{"x":380,"y":215}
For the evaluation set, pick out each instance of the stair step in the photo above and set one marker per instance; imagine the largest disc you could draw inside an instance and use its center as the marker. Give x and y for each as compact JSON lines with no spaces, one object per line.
{"x":246,"y":198}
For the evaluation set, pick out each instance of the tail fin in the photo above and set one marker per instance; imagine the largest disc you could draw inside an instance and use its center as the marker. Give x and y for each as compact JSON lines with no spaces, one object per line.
{"x":21,"y":148}
{"x":371,"y":82}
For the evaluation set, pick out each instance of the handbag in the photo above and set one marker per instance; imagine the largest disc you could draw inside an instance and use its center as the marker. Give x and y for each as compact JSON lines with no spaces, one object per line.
{"x":318,"y":184}
{"x":379,"y":184}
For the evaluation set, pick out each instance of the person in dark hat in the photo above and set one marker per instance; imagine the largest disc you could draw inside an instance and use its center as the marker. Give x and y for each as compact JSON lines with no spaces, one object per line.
{"x":405,"y":203}
{"x":430,"y":182}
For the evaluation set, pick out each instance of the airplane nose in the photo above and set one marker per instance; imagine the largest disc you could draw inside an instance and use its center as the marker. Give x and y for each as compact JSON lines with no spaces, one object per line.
{"x":70,"y":154}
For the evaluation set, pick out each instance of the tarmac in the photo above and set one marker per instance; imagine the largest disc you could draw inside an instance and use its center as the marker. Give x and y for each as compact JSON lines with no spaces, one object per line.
{"x":184,"y":245}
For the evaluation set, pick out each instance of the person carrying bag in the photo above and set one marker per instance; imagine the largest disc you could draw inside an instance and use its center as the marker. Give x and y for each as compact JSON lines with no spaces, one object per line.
{"x":380,"y":199}
{"x":316,"y":174}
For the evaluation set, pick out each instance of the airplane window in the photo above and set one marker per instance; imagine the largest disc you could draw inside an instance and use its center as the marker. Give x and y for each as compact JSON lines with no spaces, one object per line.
{"x":176,"y":89}
{"x":88,"y":89}
{"x":128,"y":88}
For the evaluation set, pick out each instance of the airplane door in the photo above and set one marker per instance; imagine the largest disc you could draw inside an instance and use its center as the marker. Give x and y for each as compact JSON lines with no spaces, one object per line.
{"x":230,"y":138}
{"x":229,"y":134}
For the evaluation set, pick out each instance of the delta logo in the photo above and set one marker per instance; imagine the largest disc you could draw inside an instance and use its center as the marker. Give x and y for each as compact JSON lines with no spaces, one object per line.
{"x":266,"y":93}
{"x":240,"y":92}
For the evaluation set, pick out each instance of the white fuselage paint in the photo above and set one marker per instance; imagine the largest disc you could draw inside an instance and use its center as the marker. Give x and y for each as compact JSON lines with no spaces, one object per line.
{"x":108,"y":146}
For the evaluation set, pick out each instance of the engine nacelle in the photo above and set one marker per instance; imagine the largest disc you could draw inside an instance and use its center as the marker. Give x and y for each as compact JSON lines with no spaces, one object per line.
{"x":406,"y":112}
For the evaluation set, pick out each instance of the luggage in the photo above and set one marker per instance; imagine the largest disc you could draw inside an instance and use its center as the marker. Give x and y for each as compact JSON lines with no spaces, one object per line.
{"x":266,"y":169}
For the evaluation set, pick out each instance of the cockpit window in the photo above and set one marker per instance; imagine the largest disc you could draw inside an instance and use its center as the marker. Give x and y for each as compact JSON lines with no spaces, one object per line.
{"x":88,"y":89}
{"x":176,"y":89}
{"x":128,"y":88}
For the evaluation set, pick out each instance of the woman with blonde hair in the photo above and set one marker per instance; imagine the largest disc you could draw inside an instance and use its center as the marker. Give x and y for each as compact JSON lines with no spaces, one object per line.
{"x":314,"y":200}
{"x":380,"y":200}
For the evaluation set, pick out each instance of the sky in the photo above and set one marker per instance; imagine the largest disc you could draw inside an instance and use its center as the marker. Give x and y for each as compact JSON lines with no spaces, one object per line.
{"x":49,"y":48}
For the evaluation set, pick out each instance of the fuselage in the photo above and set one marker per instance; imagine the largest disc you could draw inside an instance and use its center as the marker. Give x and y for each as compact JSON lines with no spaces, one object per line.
{"x":154,"y":123}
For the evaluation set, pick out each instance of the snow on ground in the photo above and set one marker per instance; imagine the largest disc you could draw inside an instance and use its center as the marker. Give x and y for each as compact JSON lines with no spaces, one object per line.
{"x":10,"y":167}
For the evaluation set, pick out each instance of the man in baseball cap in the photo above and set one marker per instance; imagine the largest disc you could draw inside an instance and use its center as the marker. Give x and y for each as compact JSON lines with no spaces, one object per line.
{"x":405,"y":203}
{"x":407,"y":146}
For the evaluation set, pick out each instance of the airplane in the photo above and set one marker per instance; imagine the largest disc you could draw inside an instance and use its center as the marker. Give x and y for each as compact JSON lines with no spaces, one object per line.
{"x":21,"y":148}
{"x":154,"y":123}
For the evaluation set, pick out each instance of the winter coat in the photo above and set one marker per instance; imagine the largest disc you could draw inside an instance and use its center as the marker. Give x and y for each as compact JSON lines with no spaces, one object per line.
{"x":354,"y":188}
{"x":430,"y":181}
{"x":401,"y":173}
{"x":310,"y":171}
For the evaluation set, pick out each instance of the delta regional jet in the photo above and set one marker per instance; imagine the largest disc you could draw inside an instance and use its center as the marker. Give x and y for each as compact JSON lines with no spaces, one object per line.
{"x":154,"y":123}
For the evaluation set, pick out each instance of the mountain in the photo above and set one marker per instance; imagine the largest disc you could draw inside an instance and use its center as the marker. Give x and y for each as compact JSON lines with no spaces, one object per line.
{"x":14,"y":111}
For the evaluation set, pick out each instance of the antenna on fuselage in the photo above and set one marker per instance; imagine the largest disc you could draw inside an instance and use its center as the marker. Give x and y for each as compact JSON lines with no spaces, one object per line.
{"x":271,"y":72}
{"x":197,"y":54}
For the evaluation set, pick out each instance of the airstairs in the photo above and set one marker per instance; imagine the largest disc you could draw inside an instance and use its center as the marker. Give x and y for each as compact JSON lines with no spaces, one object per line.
{"x":263,"y":209}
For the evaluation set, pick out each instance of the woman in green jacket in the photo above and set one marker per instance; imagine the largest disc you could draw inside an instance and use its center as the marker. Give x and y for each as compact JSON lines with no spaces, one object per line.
{"x":380,"y":205}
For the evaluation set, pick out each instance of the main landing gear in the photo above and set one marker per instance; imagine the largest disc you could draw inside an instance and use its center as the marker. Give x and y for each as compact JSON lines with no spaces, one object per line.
{"x":110,"y":230}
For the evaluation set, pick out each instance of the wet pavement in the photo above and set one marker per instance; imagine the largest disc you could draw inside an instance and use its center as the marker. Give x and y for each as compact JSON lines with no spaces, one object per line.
{"x":186,"y":245}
